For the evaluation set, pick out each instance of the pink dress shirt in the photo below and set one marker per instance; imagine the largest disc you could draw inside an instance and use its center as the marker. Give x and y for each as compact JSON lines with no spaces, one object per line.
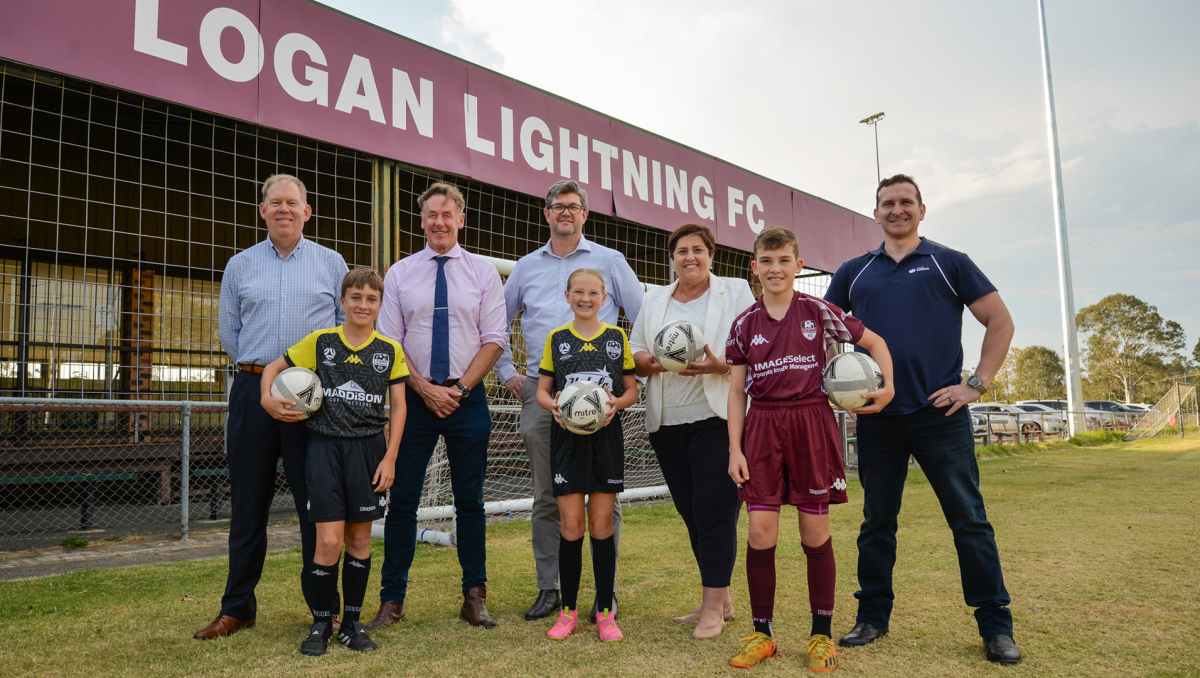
{"x":477,"y":310}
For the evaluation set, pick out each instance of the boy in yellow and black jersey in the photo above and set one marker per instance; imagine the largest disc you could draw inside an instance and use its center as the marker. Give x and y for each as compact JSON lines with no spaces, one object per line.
{"x":351,"y":463}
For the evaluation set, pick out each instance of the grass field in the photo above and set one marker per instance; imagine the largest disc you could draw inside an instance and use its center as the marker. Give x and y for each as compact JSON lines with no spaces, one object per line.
{"x":1100,"y":548}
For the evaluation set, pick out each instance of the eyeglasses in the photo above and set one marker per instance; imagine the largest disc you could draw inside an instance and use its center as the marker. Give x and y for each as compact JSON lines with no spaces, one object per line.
{"x":559,"y":209}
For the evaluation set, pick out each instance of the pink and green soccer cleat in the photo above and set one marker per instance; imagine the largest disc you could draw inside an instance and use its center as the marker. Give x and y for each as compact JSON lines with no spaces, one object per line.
{"x":607,"y":625}
{"x":565,"y":625}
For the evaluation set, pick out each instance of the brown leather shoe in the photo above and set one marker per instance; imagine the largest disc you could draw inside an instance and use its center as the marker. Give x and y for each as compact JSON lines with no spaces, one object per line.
{"x":390,"y":612}
{"x":221,"y":627}
{"x":335,"y":622}
{"x":474,"y":609}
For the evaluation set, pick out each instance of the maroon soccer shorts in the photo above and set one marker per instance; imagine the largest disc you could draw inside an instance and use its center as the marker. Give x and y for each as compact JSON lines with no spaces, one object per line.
{"x":794,"y":453}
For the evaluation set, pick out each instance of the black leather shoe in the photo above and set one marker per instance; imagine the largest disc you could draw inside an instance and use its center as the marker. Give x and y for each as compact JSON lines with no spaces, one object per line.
{"x":547,"y":603}
{"x":862,"y":634}
{"x":596,"y":609}
{"x":1002,"y":650}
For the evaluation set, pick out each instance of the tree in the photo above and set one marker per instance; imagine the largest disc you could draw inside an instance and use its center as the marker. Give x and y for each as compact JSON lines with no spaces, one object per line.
{"x":1002,"y":387}
{"x":1196,"y":351}
{"x":1127,"y":342}
{"x":1039,"y":375}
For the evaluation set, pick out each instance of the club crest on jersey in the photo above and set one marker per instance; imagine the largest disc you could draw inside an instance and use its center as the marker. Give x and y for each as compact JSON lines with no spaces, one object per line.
{"x":809,"y":329}
{"x":613,"y":348}
{"x":381,"y":361}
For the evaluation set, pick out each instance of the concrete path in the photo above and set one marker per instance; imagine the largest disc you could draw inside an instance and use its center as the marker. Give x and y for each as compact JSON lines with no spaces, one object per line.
{"x":138,"y":550}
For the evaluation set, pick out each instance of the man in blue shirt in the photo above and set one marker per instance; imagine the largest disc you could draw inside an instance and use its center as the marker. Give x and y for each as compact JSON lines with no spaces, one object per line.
{"x":535,"y":289}
{"x":273,"y":294}
{"x":912,"y":292}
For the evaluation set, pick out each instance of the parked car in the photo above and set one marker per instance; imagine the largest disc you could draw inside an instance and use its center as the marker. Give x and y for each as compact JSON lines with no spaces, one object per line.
{"x":1044,"y":417}
{"x":995,"y":417}
{"x":1115,"y":413}
{"x":1094,"y":419}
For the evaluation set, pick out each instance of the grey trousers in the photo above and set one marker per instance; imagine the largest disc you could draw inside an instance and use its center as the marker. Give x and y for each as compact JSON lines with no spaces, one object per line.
{"x":535,"y":431}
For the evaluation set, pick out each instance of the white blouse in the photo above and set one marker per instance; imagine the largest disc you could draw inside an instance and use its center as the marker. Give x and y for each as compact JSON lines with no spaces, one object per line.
{"x":684,"y":400}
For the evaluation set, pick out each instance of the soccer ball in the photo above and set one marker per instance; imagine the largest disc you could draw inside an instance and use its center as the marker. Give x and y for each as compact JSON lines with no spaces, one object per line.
{"x":848,"y":376}
{"x":678,"y":343}
{"x":300,"y":384}
{"x":583,"y":406}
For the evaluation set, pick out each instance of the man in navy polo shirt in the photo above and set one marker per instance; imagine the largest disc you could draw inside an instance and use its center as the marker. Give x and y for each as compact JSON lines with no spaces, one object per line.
{"x":912,"y":291}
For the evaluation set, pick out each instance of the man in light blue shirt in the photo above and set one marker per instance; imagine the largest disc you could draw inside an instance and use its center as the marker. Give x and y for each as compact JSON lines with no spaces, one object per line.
{"x":273,"y":294}
{"x":535,"y":290}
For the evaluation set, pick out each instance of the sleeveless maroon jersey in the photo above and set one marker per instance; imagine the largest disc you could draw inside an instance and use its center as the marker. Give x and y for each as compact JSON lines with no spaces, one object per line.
{"x":786,"y":357}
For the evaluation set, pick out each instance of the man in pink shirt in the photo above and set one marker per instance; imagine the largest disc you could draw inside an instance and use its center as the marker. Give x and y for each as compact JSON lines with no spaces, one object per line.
{"x":446,"y":307}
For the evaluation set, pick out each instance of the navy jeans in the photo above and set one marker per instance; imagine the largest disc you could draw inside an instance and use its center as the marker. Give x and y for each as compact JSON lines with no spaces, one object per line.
{"x":945,"y":449}
{"x":466,"y":431}
{"x":256,"y":443}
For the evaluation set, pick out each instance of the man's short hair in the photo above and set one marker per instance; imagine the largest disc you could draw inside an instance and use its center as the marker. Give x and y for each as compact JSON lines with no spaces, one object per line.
{"x":776,"y":238}
{"x":362,"y":277}
{"x":276,"y":178}
{"x":685,"y":230}
{"x":898,"y":179}
{"x":442,"y":188}
{"x":566,"y":186}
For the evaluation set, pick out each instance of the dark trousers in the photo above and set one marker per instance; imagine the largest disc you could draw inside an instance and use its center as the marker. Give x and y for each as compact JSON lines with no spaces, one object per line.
{"x":944,"y":448}
{"x":695,"y":462}
{"x":466,"y":431}
{"x":255,"y":443}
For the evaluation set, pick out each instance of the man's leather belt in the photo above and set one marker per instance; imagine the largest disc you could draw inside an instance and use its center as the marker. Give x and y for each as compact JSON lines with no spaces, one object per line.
{"x":257,"y":369}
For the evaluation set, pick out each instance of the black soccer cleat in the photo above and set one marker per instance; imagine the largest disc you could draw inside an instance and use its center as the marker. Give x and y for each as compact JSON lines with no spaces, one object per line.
{"x":317,"y":642}
{"x":354,"y":636}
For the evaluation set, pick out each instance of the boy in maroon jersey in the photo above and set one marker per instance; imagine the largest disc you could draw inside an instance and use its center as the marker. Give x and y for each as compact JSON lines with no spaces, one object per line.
{"x":786,"y":449}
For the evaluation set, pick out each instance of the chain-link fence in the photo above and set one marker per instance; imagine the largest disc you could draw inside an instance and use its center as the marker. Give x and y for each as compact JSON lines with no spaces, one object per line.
{"x":71,"y":465}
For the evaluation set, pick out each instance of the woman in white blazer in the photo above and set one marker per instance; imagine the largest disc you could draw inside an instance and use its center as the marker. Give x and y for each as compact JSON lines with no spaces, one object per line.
{"x":686,"y":414}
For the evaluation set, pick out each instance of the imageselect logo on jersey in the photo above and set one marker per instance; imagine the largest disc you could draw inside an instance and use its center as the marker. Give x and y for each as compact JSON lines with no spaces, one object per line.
{"x":351,"y":391}
{"x":787,"y":362}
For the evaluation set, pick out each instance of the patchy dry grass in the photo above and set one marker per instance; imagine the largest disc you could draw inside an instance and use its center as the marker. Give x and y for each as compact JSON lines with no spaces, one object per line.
{"x":1099,"y":547}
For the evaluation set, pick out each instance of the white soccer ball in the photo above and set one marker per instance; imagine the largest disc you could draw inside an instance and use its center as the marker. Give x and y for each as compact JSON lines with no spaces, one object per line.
{"x":848,"y":376}
{"x":583,"y":406}
{"x":300,"y":384}
{"x":678,"y":343}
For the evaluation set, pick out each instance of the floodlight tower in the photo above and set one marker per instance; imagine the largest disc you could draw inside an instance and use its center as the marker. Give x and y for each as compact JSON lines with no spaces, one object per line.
{"x":873,"y":121}
{"x":1065,"y":287}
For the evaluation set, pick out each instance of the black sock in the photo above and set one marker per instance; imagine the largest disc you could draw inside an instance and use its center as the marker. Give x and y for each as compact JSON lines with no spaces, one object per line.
{"x":764,"y":626}
{"x":604,"y":567}
{"x":355,"y":574}
{"x":822,"y":626}
{"x":570,"y":569}
{"x":322,"y":585}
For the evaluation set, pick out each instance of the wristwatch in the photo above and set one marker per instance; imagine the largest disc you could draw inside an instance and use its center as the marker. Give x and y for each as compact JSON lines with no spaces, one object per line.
{"x":462,"y":389}
{"x":976,"y":383}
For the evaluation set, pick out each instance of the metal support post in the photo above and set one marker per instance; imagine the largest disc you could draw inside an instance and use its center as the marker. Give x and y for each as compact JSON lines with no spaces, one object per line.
{"x":185,"y":471}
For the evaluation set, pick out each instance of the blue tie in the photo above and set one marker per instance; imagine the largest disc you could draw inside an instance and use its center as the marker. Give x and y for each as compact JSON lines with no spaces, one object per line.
{"x":439,"y":357}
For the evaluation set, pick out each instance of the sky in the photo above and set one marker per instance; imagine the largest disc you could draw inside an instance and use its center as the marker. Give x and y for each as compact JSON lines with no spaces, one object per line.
{"x":779,"y":87}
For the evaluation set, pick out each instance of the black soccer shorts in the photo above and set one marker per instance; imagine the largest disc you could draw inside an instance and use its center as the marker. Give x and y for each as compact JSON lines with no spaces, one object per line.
{"x":339,"y":478}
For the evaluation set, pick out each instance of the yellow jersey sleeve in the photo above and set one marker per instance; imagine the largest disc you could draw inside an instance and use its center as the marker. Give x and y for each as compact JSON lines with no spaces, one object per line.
{"x":399,"y":365}
{"x":304,"y":353}
{"x":628,"y":367}
{"x":547,"y":365}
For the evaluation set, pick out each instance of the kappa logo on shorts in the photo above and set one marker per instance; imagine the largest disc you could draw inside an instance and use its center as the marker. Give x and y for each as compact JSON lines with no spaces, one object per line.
{"x":366,"y":509}
{"x":839,"y":484}
{"x":817,"y":492}
{"x":758,"y":339}
{"x":615,"y":482}
{"x":381,"y":361}
{"x":382,"y":501}
{"x":308,"y":506}
{"x":613,"y":348}
{"x":559,"y":479}
{"x":810,"y":329}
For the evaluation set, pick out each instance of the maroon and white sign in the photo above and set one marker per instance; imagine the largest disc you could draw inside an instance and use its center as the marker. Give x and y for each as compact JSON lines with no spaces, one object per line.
{"x":300,"y":67}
